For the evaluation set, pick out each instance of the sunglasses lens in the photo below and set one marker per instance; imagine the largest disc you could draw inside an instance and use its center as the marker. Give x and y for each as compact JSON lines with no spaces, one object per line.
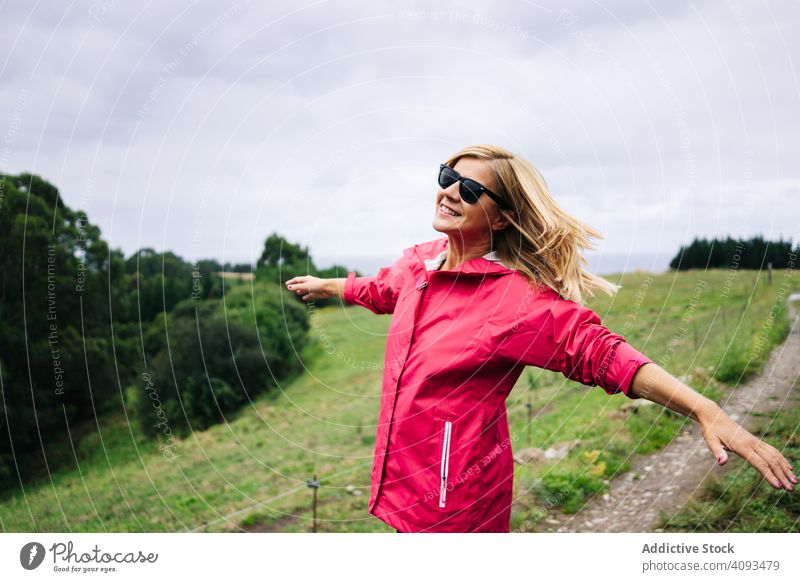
{"x":470,"y":191}
{"x":447,"y":177}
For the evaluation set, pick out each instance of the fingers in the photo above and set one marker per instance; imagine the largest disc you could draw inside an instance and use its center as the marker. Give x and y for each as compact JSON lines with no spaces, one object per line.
{"x":298,"y":284}
{"x":305,"y":294}
{"x":775,"y":468}
{"x":770,"y":463}
{"x":302,"y":287}
{"x":763,"y":467}
{"x":718,"y":450}
{"x":778,"y":465}
{"x":782,"y":464}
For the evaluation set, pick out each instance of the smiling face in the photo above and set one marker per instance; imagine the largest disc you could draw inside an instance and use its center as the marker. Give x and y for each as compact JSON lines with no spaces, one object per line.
{"x":472,"y":221}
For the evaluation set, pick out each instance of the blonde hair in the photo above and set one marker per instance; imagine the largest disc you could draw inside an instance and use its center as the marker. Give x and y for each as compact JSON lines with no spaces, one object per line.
{"x":542,"y":241}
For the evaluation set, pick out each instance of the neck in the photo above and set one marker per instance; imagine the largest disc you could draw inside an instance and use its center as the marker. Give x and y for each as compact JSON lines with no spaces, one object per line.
{"x":460,"y":251}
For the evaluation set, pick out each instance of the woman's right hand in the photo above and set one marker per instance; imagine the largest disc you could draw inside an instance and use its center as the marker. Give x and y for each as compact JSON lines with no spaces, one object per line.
{"x":309,"y":287}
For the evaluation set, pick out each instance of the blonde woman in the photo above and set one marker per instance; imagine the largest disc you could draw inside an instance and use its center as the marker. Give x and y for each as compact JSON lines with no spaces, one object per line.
{"x":501,"y":291}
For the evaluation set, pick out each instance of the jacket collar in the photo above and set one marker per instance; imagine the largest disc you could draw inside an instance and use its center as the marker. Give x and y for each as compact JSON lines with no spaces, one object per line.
{"x":432,"y":254}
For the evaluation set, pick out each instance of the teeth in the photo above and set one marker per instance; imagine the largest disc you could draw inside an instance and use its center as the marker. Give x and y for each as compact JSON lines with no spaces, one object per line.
{"x":446,"y":210}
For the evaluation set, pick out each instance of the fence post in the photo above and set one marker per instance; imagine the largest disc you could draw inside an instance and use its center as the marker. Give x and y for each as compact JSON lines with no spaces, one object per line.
{"x":529,"y":406}
{"x":313,"y":483}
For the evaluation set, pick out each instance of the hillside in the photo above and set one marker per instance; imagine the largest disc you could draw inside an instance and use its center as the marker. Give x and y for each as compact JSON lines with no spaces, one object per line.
{"x":250,"y":473}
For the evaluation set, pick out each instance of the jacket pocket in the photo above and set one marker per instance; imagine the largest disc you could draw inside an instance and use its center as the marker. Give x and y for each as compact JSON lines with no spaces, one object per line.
{"x":444,"y":466}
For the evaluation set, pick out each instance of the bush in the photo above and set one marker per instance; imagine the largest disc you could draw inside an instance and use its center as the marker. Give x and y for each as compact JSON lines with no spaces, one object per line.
{"x":212,"y":357}
{"x":568,"y":490}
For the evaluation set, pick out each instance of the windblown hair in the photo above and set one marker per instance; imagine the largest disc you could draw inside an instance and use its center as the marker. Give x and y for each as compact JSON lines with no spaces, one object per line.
{"x":543,"y":242}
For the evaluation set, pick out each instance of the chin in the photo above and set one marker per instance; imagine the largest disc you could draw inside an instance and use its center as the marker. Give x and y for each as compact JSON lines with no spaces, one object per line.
{"x":440,"y":226}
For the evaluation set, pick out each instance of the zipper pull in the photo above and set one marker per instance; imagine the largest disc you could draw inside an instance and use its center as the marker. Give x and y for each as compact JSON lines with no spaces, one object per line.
{"x":419,"y":287}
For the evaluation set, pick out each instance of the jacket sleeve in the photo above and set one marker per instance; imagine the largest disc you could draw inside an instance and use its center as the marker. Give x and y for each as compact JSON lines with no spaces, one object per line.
{"x":377,"y":293}
{"x":567,"y":337}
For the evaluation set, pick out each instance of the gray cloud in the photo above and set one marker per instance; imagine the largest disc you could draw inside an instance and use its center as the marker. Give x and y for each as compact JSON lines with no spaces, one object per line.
{"x":201,"y":128}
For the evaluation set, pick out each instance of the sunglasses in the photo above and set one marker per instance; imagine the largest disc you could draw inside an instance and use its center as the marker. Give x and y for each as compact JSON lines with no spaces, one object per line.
{"x":470,"y":190}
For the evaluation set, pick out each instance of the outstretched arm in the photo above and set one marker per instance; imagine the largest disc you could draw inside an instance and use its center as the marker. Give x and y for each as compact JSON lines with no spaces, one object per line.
{"x":378,"y":293}
{"x":564,"y":336}
{"x":721,"y":433}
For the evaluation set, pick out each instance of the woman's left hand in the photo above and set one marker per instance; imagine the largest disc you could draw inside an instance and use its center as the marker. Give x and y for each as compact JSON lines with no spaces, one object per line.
{"x":722,"y":434}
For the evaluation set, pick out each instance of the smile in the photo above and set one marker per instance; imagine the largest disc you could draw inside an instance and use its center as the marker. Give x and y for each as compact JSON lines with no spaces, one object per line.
{"x":445,"y":210}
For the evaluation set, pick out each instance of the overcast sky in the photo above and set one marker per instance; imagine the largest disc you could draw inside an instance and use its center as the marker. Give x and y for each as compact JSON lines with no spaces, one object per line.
{"x":201,"y":128}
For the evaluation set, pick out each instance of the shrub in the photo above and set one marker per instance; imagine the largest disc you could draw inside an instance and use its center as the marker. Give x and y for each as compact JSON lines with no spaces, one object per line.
{"x":567,"y":490}
{"x":212,"y":357}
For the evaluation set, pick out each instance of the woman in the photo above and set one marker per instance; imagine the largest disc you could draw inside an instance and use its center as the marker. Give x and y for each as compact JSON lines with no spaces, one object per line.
{"x":470,"y":310}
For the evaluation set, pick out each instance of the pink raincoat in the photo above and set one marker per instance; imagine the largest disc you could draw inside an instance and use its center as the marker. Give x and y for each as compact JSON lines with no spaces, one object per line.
{"x":457,"y":343}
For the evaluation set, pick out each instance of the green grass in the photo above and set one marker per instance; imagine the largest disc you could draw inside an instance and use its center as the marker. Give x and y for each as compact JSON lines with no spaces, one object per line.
{"x":254,"y":468}
{"x":688,"y":323}
{"x":740,"y":500}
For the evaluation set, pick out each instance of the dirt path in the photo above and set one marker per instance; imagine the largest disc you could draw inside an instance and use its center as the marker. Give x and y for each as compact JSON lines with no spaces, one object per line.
{"x":670,"y":477}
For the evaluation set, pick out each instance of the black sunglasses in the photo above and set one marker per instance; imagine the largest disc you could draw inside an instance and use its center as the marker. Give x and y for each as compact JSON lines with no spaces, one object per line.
{"x":469,"y":189}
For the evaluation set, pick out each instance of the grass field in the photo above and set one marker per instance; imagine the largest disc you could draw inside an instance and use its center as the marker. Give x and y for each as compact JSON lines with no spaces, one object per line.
{"x":251,"y":472}
{"x":739,"y":500}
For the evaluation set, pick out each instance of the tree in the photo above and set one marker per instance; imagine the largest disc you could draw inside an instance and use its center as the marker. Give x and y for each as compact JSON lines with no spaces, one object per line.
{"x":55,"y":314}
{"x":753,"y":253}
{"x":281,"y":260}
{"x":212,"y":357}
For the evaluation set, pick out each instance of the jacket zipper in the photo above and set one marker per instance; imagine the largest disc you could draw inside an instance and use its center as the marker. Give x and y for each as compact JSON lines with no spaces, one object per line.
{"x":419,"y":287}
{"x":445,"y":464}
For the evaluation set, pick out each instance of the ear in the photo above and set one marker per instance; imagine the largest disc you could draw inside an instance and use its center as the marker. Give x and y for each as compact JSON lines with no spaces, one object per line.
{"x":500,"y":222}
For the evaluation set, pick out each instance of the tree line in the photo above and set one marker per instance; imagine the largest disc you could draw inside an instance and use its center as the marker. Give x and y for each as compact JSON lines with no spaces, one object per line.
{"x":85,"y":330}
{"x":730,"y":253}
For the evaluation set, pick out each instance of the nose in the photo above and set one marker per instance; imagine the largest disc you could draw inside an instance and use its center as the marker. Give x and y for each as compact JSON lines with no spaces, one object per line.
{"x":451,"y":192}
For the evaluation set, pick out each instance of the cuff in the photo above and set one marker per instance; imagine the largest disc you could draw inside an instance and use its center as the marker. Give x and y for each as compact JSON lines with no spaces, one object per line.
{"x":626,"y":361}
{"x":349,"y":288}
